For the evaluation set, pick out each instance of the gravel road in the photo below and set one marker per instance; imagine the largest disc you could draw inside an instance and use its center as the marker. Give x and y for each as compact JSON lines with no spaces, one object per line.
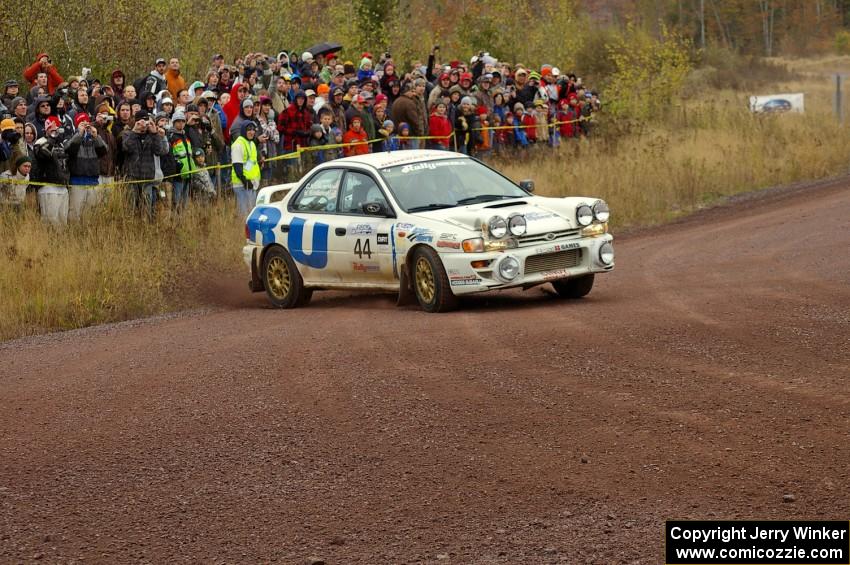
{"x":707,"y":377}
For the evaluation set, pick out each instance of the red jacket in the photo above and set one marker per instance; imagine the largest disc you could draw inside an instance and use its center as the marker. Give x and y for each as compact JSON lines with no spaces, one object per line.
{"x":352,"y":136}
{"x":54,"y":79}
{"x":566,"y":115}
{"x":295,"y":125}
{"x":440,"y":126}
{"x":231,"y":110}
{"x":529,"y":126}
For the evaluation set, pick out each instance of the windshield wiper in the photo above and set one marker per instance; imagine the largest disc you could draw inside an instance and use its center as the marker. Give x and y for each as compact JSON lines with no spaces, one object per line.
{"x":483,"y":198}
{"x":430,"y":207}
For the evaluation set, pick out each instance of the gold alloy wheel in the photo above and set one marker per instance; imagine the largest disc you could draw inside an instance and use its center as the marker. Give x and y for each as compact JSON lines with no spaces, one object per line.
{"x":425,"y":280}
{"x":279,"y":279}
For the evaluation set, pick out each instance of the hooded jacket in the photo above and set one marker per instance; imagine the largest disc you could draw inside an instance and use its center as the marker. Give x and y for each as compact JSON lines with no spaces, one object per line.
{"x":154,"y":83}
{"x":139,"y":150}
{"x":84,"y":153}
{"x":54,"y":79}
{"x":295,"y":124}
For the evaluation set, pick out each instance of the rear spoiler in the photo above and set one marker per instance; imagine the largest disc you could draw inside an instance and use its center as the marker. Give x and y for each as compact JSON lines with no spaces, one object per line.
{"x":274,"y":193}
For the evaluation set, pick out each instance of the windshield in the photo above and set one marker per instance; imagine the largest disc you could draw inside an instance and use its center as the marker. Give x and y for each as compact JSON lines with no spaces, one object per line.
{"x":432,"y":185}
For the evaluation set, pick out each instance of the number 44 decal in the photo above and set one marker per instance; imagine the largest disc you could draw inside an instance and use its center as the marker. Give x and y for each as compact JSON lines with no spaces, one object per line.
{"x":361,"y":248}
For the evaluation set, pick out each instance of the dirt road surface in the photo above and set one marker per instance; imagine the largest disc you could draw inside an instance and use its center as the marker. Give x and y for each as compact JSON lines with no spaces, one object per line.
{"x":707,"y":377}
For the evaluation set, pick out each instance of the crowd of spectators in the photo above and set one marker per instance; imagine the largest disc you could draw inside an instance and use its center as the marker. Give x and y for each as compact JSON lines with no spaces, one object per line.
{"x":262,"y":119}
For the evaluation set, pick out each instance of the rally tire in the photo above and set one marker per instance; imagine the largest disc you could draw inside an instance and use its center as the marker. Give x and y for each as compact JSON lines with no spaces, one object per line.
{"x":430,"y":283}
{"x":283,"y":283}
{"x":575,"y":287}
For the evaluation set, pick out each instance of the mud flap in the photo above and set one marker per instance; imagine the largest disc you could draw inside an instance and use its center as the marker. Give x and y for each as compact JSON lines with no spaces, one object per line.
{"x":256,"y":282}
{"x":406,"y":296}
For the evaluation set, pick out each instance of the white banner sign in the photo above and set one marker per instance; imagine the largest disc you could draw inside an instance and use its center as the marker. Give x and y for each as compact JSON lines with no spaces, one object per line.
{"x":778,"y":103}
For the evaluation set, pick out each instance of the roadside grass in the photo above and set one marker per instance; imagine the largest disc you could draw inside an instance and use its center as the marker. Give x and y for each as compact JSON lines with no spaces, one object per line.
{"x":114,"y":266}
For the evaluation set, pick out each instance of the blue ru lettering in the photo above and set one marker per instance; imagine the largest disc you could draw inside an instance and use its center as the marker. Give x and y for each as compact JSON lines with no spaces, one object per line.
{"x":263,"y":220}
{"x":318,"y":257}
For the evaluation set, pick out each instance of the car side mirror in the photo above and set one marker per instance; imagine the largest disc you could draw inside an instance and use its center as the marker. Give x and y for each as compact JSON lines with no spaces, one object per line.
{"x":374,"y":209}
{"x":527,"y":185}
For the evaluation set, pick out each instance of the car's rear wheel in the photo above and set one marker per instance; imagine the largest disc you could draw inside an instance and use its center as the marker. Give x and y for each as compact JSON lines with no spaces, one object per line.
{"x":283,"y":282}
{"x":432,"y":287}
{"x":575,"y":287}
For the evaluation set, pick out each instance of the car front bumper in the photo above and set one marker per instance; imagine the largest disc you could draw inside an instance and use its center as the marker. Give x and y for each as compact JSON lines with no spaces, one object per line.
{"x":539,"y":263}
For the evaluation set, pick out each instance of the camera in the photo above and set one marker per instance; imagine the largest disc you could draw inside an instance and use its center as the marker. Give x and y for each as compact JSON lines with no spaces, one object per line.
{"x":109,"y":118}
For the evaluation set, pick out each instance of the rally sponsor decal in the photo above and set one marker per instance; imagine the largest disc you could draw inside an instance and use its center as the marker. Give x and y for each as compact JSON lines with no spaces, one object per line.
{"x":559,"y":247}
{"x":361,"y":229}
{"x":358,"y":267}
{"x":383,"y":239}
{"x":420,"y":235}
{"x":318,"y":256}
{"x":262,"y":221}
{"x":535,"y":216}
{"x":464,"y":280}
{"x":433,"y":165}
{"x":449,"y":236}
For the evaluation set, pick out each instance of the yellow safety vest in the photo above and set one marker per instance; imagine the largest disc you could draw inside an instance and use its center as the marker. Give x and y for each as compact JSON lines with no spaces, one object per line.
{"x":250,"y":168}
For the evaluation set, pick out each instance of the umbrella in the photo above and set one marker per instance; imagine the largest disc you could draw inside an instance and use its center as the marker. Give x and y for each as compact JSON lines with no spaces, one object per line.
{"x":324,"y":48}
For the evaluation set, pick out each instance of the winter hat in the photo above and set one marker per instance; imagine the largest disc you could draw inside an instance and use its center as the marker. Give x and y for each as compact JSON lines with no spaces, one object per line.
{"x":197,"y":152}
{"x":306,"y":57}
{"x":388,"y":123}
{"x":265,"y":100}
{"x":178,"y":116}
{"x":518,"y":107}
{"x":166,"y":100}
{"x":456,"y":88}
{"x":21,"y":160}
{"x":81,"y":117}
{"x":403,"y":126}
{"x":195,"y":86}
{"x":51,"y":122}
{"x":468,"y":100}
{"x":11,"y":82}
{"x":365,"y":61}
{"x":141,"y":115}
{"x":381,"y":98}
{"x":323,"y":88}
{"x":7,"y":124}
{"x":357,"y":119}
{"x":191,"y":107}
{"x":348,"y":68}
{"x":247,"y":102}
{"x":17,"y":100}
{"x":316,"y":127}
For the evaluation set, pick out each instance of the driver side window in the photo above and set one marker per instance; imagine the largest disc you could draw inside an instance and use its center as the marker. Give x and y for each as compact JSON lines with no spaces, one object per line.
{"x":320,"y":193}
{"x":357,"y":189}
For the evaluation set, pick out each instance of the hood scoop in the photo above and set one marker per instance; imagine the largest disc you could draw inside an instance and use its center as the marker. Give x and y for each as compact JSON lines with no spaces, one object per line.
{"x":508,"y":204}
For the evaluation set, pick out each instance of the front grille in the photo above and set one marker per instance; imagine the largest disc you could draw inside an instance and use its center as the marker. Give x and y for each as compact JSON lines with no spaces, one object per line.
{"x":552,"y":261}
{"x":541,"y":237}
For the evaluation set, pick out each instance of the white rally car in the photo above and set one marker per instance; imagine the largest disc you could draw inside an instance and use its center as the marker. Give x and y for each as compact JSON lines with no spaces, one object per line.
{"x":431,"y":224}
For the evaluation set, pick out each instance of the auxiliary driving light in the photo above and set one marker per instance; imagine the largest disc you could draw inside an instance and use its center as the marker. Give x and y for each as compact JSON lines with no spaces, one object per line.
{"x":606,"y":253}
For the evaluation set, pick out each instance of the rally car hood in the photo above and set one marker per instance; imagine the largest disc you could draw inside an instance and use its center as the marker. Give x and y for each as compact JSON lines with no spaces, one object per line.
{"x":543,"y":214}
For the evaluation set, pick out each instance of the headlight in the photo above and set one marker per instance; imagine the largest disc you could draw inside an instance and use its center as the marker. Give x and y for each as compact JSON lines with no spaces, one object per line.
{"x":584,"y":215}
{"x":601,"y":211}
{"x":508,"y":268}
{"x":497,"y":227}
{"x":517,"y":225}
{"x":606,"y":253}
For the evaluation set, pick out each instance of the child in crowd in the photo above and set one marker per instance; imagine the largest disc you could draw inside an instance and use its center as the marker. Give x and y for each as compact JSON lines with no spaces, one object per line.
{"x":389,"y":141}
{"x":440,"y":126}
{"x":200,"y":186}
{"x":403,"y":135}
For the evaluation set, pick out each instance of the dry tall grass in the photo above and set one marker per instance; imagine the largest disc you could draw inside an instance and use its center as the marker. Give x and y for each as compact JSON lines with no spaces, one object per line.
{"x":115,"y":266}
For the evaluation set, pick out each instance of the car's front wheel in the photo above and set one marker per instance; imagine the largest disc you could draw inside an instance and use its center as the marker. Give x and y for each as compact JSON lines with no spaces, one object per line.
{"x":432,"y":287}
{"x":575,"y":287}
{"x":283,"y":282}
